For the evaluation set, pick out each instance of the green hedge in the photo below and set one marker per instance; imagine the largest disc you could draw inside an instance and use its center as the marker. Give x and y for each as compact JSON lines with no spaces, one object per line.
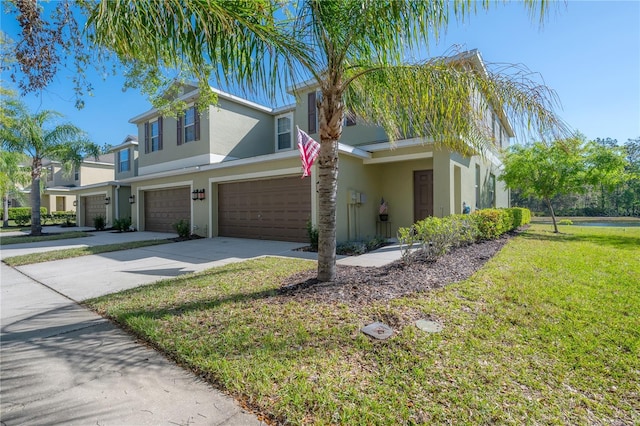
{"x":432,"y":237}
{"x":19,"y":212}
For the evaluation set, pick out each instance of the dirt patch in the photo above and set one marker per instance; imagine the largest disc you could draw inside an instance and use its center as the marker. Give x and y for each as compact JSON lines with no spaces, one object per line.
{"x":356,"y":285}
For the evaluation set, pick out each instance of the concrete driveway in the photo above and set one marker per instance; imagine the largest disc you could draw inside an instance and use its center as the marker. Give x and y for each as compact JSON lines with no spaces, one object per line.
{"x":91,"y":276}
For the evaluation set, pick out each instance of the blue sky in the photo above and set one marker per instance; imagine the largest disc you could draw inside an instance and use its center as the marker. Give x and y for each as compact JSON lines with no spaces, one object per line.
{"x":587,"y":51}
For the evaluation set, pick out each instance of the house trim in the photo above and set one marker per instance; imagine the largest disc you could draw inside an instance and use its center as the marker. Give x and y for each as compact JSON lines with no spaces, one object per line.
{"x":176,"y":165}
{"x":395,"y":158}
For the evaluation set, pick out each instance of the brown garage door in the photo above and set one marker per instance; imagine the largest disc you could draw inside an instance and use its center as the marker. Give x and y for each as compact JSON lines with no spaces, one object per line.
{"x":164,"y":207}
{"x":93,"y":207}
{"x":273,"y":209}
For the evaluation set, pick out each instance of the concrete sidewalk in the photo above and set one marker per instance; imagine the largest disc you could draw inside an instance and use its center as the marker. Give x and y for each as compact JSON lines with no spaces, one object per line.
{"x":62,"y":364}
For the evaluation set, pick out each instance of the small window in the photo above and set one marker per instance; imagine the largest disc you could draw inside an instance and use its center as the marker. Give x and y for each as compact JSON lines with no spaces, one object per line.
{"x":76,"y":173}
{"x":50,"y":173}
{"x":123,"y":160}
{"x":492,"y":189}
{"x":312,"y":113}
{"x":478,"y":205}
{"x":284,"y":138}
{"x":155,"y":137}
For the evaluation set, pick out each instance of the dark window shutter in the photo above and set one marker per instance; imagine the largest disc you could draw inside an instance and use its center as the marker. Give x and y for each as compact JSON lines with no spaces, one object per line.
{"x":311,"y":109}
{"x":159,"y":133}
{"x":146,"y":137}
{"x":196,"y":113}
{"x":179,"y":134}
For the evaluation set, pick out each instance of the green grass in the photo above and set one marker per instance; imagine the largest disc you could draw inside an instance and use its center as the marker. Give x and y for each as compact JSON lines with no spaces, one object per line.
{"x":548,"y":332}
{"x":47,"y":256}
{"x":21,"y":239}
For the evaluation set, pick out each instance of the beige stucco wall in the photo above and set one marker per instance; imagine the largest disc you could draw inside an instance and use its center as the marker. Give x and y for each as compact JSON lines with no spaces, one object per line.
{"x":91,"y":173}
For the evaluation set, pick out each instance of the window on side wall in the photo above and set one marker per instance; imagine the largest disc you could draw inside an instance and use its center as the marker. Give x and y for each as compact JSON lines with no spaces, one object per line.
{"x":492,"y":189}
{"x":478,"y":205}
{"x":123,"y":160}
{"x":284,"y":135}
{"x":76,"y":173}
{"x":349,"y":117}
{"x":49,"y":173}
{"x":312,"y":113}
{"x":189,"y":126}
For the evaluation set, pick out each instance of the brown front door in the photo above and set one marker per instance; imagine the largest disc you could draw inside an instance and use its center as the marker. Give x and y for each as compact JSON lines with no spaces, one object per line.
{"x":422,"y":194}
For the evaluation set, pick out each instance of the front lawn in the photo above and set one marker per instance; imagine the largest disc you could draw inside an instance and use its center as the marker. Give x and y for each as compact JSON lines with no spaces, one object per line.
{"x":20,"y":239}
{"x":547,"y":332}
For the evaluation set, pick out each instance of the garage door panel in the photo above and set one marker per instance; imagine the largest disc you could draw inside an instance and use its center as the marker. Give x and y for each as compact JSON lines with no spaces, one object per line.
{"x":276,"y":209}
{"x":93,"y":207}
{"x":165,"y":207}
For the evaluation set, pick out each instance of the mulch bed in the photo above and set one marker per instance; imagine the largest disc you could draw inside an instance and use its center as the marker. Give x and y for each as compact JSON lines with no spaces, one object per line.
{"x":357,"y":286}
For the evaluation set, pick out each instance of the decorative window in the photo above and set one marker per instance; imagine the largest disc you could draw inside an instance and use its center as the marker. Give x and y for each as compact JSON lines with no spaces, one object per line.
{"x":189,"y":126}
{"x":123,"y":160}
{"x":312,"y":113}
{"x":284,"y":135}
{"x":153,"y":136}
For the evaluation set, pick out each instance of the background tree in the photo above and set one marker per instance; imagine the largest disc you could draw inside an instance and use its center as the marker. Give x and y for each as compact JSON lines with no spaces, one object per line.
{"x":563,"y":167}
{"x":13,"y":177}
{"x":35,"y":136}
{"x":355,"y":50}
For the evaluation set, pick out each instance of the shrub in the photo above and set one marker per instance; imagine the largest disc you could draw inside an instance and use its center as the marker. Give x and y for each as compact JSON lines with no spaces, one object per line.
{"x":22,"y":215}
{"x":122,"y":224}
{"x":312,"y":232}
{"x":351,"y":248}
{"x":492,"y":223}
{"x":183,"y":228}
{"x":565,"y":222}
{"x":99,"y":222}
{"x":521,"y":216}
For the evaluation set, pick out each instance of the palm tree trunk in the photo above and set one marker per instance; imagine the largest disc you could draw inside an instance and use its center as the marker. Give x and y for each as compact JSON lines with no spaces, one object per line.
{"x":36,"y":174}
{"x":331,"y":112}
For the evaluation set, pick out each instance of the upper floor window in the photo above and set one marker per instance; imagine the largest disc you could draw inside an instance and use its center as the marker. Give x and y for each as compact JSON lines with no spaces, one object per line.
{"x":153,"y":135}
{"x":284,"y":135}
{"x":349,"y":117}
{"x":50,"y":173}
{"x":123,"y":160}
{"x":76,"y":173}
{"x":189,"y":126}
{"x":492,"y":189}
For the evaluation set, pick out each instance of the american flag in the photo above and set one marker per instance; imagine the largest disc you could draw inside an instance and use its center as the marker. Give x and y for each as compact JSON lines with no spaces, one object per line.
{"x":308,"y":151}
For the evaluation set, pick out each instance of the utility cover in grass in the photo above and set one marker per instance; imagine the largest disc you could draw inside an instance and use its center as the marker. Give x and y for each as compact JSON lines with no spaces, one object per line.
{"x":378,"y":330}
{"x":429,"y":326}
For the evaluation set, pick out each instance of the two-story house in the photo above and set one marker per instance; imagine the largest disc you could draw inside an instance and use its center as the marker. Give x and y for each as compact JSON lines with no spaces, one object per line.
{"x":234,"y":170}
{"x":60,"y":182}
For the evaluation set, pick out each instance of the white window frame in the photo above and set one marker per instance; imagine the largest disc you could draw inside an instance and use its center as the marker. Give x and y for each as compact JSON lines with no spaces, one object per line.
{"x":192,"y":125}
{"x":288,"y":115}
{"x":120,"y":162}
{"x":157,"y":136}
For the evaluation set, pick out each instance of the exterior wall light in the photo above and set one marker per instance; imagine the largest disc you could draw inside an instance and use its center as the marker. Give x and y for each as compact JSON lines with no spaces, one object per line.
{"x":132,"y":199}
{"x":107,"y":200}
{"x":75,"y":203}
{"x":194,"y":194}
{"x":201,"y":194}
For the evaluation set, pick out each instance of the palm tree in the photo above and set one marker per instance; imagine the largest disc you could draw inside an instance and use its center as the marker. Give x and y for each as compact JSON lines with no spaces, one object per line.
{"x":355,"y":50}
{"x":29,"y":134}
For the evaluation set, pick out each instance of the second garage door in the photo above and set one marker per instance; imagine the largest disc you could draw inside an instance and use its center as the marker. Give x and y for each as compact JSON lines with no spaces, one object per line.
{"x":273,"y":209}
{"x":165,"y":207}
{"x":93,"y":207}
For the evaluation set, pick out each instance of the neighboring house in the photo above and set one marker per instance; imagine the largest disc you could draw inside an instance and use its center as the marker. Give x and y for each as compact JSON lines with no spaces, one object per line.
{"x":60,"y":183}
{"x":109,"y":197}
{"x":234,"y":170}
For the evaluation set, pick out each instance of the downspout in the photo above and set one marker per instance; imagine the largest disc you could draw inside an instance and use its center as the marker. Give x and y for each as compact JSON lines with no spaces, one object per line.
{"x":117,"y":203}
